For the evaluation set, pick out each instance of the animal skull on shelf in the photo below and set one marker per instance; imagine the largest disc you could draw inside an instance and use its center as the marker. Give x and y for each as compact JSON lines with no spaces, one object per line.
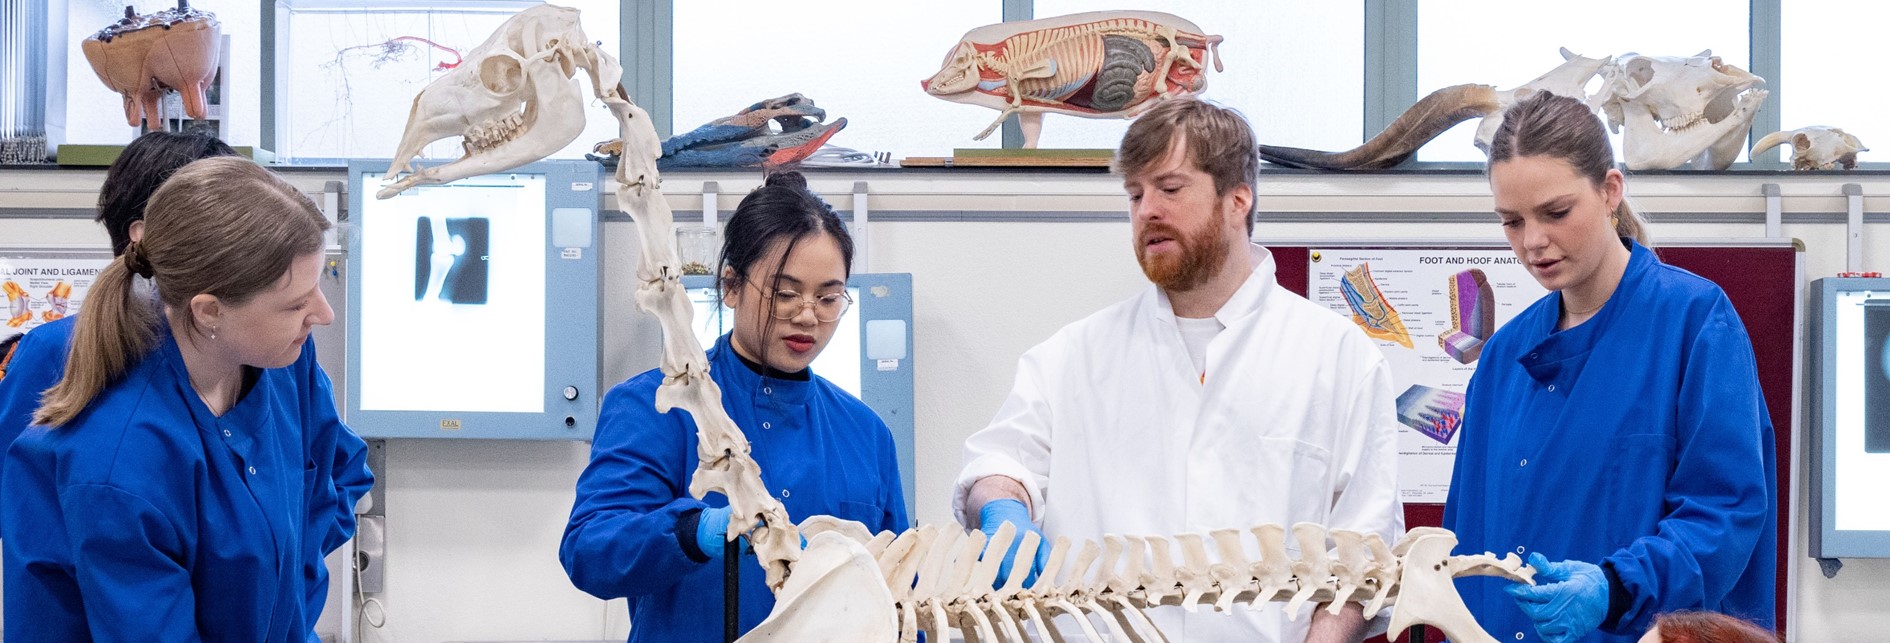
{"x":1441,"y":110}
{"x":849,"y":585}
{"x":1680,"y":111}
{"x":514,"y":102}
{"x":1569,"y":79}
{"x":1815,"y":148}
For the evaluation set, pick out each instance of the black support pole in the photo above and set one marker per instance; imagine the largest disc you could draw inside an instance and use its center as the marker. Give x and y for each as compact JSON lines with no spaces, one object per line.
{"x":732,"y":591}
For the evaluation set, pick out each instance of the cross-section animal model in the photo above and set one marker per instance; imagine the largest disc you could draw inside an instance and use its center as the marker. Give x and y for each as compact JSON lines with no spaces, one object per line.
{"x":1370,"y":310}
{"x":141,"y":56}
{"x":1101,"y":64}
{"x":849,"y":585}
{"x":1472,"y":316}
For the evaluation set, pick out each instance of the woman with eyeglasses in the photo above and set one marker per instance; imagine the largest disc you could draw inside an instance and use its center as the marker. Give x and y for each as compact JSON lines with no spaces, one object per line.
{"x":635,"y":531}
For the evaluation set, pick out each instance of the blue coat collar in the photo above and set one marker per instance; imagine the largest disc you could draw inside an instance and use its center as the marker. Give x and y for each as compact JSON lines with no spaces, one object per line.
{"x":737,"y":379}
{"x":1567,"y":350}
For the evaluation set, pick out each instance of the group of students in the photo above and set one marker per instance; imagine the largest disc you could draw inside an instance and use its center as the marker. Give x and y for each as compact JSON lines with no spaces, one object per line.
{"x":1614,"y":431}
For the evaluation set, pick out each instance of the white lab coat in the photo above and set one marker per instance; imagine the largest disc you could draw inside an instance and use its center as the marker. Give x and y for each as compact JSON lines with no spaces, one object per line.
{"x":1112,"y":431}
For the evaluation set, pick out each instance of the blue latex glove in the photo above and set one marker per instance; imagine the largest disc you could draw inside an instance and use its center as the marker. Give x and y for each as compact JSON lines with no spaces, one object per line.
{"x":712,"y":531}
{"x":997,"y":512}
{"x":1569,"y":599}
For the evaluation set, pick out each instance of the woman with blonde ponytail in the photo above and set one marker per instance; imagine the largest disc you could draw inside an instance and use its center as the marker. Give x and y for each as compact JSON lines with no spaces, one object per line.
{"x":1614,"y":431}
{"x":185,"y":476}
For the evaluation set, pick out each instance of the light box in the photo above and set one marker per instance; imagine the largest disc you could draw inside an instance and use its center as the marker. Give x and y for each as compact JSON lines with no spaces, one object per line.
{"x":1849,"y":395}
{"x":473,"y":305}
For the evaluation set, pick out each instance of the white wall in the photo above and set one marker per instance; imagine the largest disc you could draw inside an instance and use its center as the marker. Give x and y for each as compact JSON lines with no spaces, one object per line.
{"x":473,"y":526}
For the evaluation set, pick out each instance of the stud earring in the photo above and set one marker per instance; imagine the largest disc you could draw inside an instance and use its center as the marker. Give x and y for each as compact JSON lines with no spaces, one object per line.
{"x":213,"y":332}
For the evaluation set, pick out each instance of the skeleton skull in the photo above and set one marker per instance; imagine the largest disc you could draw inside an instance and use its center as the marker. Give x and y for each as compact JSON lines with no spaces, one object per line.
{"x":1679,"y":111}
{"x":1816,"y":147}
{"x":514,"y":102}
{"x":1569,"y":79}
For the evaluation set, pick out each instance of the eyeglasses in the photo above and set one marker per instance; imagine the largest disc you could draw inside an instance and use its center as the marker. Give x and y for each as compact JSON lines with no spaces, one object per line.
{"x":828,"y":308}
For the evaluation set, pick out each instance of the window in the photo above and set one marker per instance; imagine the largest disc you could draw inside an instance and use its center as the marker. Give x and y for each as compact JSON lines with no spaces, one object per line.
{"x":860,"y":60}
{"x":1825,"y":44}
{"x":96,"y":114}
{"x":350,"y":71}
{"x":1462,"y":41}
{"x":1295,"y":69}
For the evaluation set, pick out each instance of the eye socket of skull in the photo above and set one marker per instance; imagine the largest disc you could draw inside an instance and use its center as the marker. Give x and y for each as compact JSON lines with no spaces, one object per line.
{"x":502,"y":73}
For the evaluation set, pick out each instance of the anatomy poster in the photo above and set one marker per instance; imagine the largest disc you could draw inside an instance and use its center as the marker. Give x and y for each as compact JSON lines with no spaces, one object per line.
{"x":42,"y":290}
{"x":1430,"y":311}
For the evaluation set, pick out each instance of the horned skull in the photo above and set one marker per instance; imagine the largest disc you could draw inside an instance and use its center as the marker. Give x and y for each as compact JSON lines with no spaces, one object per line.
{"x":1816,"y":147}
{"x":1680,"y":110}
{"x":514,"y":102}
{"x":1569,"y":79}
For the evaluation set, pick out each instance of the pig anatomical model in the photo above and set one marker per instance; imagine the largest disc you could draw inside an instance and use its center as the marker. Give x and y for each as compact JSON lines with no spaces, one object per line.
{"x":1101,"y":64}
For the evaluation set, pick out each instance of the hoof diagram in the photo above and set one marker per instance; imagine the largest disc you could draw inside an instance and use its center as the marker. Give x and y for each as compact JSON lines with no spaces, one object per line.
{"x":1472,"y":316}
{"x":1434,"y":412}
{"x":1369,"y":308}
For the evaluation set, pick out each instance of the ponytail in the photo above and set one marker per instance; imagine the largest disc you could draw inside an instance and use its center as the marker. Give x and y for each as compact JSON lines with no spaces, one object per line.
{"x":117,"y":328}
{"x":1629,"y":224}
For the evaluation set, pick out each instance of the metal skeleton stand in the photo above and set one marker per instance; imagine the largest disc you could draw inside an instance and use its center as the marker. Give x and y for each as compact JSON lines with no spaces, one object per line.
{"x":732,"y":592}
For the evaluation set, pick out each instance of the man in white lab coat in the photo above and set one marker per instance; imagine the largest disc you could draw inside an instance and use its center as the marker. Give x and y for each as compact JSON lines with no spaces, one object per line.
{"x":1215,"y":399}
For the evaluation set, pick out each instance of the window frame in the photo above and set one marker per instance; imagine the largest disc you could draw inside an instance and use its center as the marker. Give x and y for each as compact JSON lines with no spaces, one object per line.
{"x":646,"y":48}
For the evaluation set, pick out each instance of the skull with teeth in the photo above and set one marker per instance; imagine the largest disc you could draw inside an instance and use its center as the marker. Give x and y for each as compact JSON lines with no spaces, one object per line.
{"x":1679,"y":111}
{"x":515,"y":102}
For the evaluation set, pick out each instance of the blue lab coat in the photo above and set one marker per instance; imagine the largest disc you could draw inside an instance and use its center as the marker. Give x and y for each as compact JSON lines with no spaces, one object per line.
{"x":38,"y":362}
{"x":821,"y":451}
{"x":147,"y":518}
{"x":1638,"y":441}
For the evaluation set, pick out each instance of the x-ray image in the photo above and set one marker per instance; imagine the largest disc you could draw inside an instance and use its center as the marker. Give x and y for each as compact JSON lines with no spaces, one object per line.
{"x":450,"y":259}
{"x":1877,"y":376}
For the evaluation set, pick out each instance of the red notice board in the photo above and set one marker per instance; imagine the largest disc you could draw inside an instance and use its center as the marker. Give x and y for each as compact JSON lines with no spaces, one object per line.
{"x":1760,"y":277}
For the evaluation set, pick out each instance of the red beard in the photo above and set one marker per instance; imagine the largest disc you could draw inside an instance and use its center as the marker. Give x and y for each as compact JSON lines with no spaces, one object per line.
{"x":1199,"y":256}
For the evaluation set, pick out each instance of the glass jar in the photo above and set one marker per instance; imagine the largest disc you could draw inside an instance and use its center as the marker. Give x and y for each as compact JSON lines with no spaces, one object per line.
{"x":697,"y":246}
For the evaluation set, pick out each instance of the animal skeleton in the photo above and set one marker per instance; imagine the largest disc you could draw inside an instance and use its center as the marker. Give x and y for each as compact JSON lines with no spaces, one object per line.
{"x":1099,"y":64}
{"x":1680,"y":111}
{"x":1815,"y":148}
{"x":851,"y":585}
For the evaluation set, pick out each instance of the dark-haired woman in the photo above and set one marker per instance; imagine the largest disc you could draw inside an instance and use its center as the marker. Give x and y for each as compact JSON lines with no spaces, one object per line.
{"x":38,"y":360}
{"x":180,"y":482}
{"x":1614,"y":432}
{"x":636,"y":532}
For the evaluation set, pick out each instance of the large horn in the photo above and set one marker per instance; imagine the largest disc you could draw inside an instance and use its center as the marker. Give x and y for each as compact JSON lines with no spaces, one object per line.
{"x":1770,"y":141}
{"x":1431,"y":116}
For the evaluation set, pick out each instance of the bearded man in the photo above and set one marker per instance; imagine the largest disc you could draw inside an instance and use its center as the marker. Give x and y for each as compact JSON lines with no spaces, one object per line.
{"x":1215,"y":399}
